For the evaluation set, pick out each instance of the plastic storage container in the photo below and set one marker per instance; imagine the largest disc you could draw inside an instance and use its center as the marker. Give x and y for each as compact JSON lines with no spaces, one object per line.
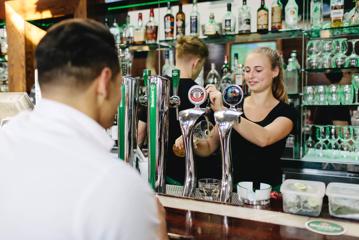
{"x":343,"y":200}
{"x":302,"y":197}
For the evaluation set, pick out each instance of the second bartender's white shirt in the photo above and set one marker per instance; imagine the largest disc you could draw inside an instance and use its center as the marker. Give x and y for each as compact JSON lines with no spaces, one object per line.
{"x":59,"y":181}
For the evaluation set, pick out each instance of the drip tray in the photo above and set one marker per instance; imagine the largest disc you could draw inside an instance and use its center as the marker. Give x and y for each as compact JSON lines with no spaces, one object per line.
{"x":176,"y":191}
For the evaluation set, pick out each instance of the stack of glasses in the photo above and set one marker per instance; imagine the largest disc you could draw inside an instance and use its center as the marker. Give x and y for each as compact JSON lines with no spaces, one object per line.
{"x":331,"y":53}
{"x":332,"y":142}
{"x":332,"y":94}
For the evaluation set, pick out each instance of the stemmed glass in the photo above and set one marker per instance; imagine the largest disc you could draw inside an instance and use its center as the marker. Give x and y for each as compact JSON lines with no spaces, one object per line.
{"x":353,"y":59}
{"x":356,"y":142}
{"x":309,"y":144}
{"x":346,"y":137}
{"x":313,"y":50}
{"x":321,"y":137}
{"x":333,"y":142}
{"x":328,"y":54}
{"x":355,"y":84}
{"x":340,"y":47}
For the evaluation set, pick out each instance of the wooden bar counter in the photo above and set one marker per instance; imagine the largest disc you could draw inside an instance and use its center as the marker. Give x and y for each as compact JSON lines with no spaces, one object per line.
{"x":195,"y":219}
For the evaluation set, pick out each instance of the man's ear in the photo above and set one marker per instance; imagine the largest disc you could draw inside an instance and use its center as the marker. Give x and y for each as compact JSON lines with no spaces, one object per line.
{"x":195,"y":62}
{"x":103,"y":83}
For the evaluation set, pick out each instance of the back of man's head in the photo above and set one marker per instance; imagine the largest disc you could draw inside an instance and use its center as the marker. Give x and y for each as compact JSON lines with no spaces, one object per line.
{"x":74,"y":52}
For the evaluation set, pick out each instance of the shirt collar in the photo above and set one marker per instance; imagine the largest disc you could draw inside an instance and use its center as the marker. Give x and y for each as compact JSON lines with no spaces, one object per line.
{"x":57,"y":111}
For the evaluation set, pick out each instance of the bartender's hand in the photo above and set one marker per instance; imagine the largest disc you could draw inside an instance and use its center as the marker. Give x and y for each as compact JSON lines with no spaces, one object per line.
{"x":215,"y":97}
{"x":162,"y":230}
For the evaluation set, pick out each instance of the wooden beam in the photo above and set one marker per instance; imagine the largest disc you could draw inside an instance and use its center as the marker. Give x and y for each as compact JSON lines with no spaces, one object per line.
{"x":15,"y":27}
{"x":2,"y":9}
{"x":23,"y":37}
{"x":81,"y":9}
{"x":42,"y":9}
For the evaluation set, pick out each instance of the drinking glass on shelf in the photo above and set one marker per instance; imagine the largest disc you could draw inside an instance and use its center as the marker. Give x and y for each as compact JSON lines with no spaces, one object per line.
{"x":320,"y":146}
{"x":356,"y":142}
{"x":333,"y":144}
{"x":347,"y":94}
{"x":333,"y":96}
{"x":353,"y":59}
{"x":309,"y":95}
{"x":340,"y":46}
{"x":355,"y":84}
{"x":327,"y":56}
{"x":313,"y":50}
{"x":320,"y":95}
{"x":346,"y":139}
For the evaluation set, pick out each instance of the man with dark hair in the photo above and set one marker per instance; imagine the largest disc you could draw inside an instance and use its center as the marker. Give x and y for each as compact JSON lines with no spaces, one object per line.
{"x":58,"y":179}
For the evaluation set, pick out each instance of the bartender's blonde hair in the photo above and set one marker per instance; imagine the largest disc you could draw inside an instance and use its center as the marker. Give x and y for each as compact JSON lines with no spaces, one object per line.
{"x":191,"y":45}
{"x":278,"y":88}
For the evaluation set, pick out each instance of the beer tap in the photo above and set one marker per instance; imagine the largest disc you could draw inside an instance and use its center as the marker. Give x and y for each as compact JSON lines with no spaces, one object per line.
{"x":232,"y":95}
{"x":187,"y":118}
{"x":159,"y":102}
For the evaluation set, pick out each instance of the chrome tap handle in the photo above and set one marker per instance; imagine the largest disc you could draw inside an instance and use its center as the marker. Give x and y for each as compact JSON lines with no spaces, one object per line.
{"x":225,"y":120}
{"x":232,"y":95}
{"x":188,"y":118}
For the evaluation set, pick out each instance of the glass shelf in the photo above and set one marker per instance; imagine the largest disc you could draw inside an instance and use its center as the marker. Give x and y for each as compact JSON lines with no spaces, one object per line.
{"x":249,"y":37}
{"x":144,"y":47}
{"x":321,"y":70}
{"x":317,"y":105}
{"x":307,"y":158}
{"x":328,"y":32}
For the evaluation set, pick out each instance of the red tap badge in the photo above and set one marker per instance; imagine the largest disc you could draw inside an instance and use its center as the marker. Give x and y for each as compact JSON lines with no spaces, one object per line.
{"x":197,"y":95}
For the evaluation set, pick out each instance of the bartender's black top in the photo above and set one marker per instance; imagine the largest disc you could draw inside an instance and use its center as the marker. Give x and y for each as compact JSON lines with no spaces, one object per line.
{"x":260,"y":164}
{"x":175,"y":166}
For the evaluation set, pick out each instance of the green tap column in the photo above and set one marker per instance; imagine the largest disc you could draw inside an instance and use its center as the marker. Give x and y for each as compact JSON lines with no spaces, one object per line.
{"x":121,"y":123}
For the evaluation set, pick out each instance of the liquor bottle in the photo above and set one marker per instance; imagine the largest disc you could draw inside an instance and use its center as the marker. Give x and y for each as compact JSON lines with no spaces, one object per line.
{"x":151,"y":29}
{"x":291,"y":15}
{"x":180,"y":22}
{"x":195,"y":25}
{"x":237,"y":71}
{"x":244,"y":18}
{"x":262,"y":18}
{"x":276,"y":16}
{"x":107,"y":23}
{"x":139,"y":32}
{"x":211,"y":26}
{"x":226,"y":75}
{"x":336,"y":13}
{"x":225,"y":67}
{"x":213,"y":76}
{"x":114,"y":29}
{"x":129,"y":30}
{"x":292,"y":74}
{"x":169,"y":23}
{"x":316,"y":13}
{"x":168,"y":66}
{"x":229,"y":21}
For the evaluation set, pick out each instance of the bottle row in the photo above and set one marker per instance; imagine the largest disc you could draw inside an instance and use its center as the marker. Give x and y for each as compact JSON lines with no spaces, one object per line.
{"x":266,"y":19}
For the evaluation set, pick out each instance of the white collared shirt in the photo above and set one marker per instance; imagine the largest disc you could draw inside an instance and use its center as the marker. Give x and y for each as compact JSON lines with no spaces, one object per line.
{"x":58,"y":180}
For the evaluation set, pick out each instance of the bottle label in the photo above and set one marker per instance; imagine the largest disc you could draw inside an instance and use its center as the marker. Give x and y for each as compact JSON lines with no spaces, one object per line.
{"x":337,"y":11}
{"x":194,"y":24}
{"x":151,"y":33}
{"x":227,"y":25}
{"x":262,"y":21}
{"x":180,"y":27}
{"x":238,"y":79}
{"x":292,"y":16}
{"x":276,"y":15}
{"x":169,"y":26}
